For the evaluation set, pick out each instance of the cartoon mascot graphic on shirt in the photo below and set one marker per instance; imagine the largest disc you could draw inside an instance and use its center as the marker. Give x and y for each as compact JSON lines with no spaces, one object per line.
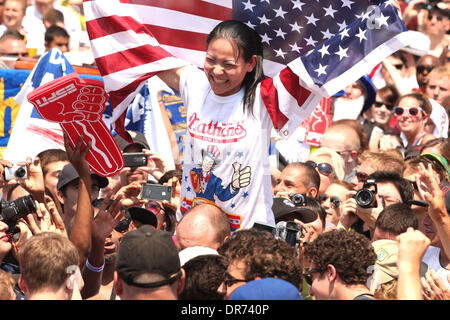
{"x":206,"y":185}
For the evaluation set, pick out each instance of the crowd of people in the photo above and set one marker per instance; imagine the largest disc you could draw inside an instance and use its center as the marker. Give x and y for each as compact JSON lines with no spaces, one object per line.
{"x":365,"y":216}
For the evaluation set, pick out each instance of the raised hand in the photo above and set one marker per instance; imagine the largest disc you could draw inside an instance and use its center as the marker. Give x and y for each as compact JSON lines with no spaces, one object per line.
{"x":44,"y":221}
{"x":434,"y":288}
{"x":107,"y":218}
{"x":157,"y":166}
{"x":175,"y":197}
{"x":348,"y":216}
{"x":129,"y":194}
{"x":77,"y":156}
{"x":429,"y":190}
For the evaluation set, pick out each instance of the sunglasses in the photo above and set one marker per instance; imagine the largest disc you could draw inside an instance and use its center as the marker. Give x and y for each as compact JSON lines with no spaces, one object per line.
{"x":123,"y":225}
{"x":15,"y":55}
{"x":421,"y":69}
{"x":229,"y":280}
{"x":324,"y":168}
{"x":343,"y":151}
{"x":154,"y":205}
{"x":377,"y":104}
{"x":362,"y":177}
{"x":308,"y":275}
{"x":414,"y":111}
{"x":438,"y":17}
{"x":335,"y":201}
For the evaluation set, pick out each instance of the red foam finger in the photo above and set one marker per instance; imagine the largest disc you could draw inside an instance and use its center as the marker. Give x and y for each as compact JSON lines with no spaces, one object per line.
{"x":77,"y":105}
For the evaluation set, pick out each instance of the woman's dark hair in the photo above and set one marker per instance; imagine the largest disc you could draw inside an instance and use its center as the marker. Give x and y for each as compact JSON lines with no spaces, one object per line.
{"x":388,"y":94}
{"x":249,"y":43}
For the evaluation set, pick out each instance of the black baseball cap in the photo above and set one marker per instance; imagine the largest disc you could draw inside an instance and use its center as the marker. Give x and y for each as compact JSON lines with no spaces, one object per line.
{"x":282,"y":208}
{"x":137,"y":137}
{"x":143,"y":215}
{"x":69,"y":174}
{"x":147,"y":250}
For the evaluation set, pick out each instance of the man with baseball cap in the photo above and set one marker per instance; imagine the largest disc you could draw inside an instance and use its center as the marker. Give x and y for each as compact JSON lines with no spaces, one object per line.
{"x":67,"y":191}
{"x":137,"y":146}
{"x":139,"y":141}
{"x":148,"y":266}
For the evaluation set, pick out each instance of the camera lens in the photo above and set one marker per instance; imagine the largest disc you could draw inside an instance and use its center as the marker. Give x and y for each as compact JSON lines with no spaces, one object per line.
{"x":25,"y":205}
{"x":298,"y":199}
{"x":20,"y":172}
{"x":364,"y":198}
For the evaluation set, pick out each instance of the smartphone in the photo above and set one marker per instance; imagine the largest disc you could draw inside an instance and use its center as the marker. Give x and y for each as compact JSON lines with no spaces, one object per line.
{"x":156,"y":192}
{"x":135,"y":159}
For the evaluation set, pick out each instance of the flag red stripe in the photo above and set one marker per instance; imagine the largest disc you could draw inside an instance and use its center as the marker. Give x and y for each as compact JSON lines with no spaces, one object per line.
{"x":129,"y":59}
{"x":178,"y":38}
{"x":291,"y":81}
{"x":106,"y":26}
{"x":269,"y":95}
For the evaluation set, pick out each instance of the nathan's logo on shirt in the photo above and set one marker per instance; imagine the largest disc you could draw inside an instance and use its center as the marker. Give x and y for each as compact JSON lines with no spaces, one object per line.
{"x":215,"y":131}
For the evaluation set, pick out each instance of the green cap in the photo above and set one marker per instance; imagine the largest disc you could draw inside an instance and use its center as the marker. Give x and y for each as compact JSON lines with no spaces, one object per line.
{"x":437,"y":157}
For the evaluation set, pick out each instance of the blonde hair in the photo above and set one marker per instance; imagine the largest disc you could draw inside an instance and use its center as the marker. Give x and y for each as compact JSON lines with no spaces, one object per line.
{"x":336,"y":160}
{"x":383,"y":161}
{"x":387,"y":291}
{"x":439,"y":72}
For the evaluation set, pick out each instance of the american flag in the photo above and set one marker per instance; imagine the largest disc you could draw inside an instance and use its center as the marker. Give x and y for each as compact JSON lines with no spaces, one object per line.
{"x":326,"y":44}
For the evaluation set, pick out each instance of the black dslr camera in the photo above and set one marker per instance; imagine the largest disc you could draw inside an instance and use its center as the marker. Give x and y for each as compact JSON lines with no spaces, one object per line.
{"x":365,"y":198}
{"x":11,"y":212}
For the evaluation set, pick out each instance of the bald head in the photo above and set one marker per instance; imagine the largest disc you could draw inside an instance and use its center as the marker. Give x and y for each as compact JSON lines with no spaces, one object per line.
{"x":344,"y":140}
{"x":204,"y":225}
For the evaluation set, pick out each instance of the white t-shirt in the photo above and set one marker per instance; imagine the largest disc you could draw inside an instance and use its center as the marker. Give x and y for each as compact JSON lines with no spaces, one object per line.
{"x":219,"y":125}
{"x":431,"y":258}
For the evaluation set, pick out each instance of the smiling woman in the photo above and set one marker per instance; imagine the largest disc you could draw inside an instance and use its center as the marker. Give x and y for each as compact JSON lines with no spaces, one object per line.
{"x":412,"y":112}
{"x":226,"y":166}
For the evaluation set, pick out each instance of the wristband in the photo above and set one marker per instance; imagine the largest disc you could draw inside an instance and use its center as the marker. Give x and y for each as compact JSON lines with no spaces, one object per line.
{"x":95,"y":269}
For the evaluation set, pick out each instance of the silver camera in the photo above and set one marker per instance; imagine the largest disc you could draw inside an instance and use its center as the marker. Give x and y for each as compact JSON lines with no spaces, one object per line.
{"x":16,"y":172}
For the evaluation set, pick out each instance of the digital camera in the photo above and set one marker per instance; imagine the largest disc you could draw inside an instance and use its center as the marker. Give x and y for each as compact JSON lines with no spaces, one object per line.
{"x":365,"y":198}
{"x":16,"y":172}
{"x":298,"y":199}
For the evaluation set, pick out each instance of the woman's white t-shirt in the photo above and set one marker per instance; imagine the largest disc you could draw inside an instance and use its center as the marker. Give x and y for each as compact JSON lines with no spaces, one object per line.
{"x":225,"y":139}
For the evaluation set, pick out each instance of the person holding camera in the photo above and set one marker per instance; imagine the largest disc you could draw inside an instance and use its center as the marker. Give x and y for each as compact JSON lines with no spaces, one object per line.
{"x":298,"y":177}
{"x":380,"y":189}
